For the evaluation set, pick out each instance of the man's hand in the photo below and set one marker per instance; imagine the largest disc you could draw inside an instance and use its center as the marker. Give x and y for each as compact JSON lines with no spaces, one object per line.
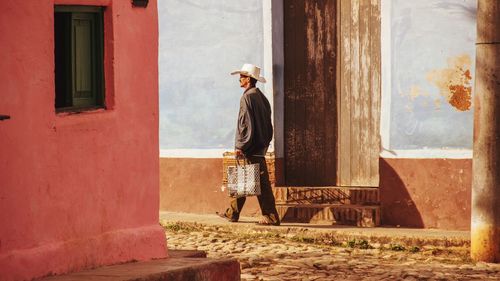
{"x":238,"y":154}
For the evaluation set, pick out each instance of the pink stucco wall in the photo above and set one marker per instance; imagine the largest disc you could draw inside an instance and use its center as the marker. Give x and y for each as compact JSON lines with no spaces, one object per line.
{"x":81,"y":190}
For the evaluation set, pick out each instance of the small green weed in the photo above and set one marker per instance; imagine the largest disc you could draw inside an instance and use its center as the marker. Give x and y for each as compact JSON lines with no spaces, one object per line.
{"x":414,"y":249}
{"x":360,"y":244}
{"x":302,"y":239}
{"x":181,"y":227}
{"x":397,"y":247}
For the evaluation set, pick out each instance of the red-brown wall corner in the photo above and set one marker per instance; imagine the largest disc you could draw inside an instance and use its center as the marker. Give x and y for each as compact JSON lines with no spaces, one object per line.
{"x":426,"y":193}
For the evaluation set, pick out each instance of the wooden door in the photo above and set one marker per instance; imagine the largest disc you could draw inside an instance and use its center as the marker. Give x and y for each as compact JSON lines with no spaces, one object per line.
{"x":310,"y":92}
{"x":332,"y":92}
{"x":359,"y":93}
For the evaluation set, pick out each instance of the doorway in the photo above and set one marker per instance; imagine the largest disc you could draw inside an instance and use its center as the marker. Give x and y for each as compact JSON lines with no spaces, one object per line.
{"x":331,"y":93}
{"x":310,"y":92}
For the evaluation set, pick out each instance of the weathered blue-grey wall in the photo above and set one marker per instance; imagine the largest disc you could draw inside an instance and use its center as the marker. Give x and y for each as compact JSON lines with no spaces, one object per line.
{"x":433,"y":54}
{"x":201,"y":42}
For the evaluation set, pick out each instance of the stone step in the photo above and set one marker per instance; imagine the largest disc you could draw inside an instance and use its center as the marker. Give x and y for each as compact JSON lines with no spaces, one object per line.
{"x":339,"y":214}
{"x":327,"y":195}
{"x":180,"y":266}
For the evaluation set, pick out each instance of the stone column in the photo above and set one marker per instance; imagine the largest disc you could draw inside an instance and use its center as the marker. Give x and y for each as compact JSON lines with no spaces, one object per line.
{"x":485,"y":228}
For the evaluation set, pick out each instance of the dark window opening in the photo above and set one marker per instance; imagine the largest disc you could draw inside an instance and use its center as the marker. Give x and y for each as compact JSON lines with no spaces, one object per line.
{"x":79,"y":77}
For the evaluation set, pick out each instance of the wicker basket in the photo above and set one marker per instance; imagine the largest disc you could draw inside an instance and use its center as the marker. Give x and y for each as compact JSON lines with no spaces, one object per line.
{"x":229,"y":160}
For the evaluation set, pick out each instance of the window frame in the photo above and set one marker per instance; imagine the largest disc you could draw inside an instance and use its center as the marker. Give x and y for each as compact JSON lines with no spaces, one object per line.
{"x":97,"y":57}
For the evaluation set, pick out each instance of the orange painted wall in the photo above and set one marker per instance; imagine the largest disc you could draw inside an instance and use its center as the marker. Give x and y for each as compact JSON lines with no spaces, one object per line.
{"x":193,"y":185}
{"x":422,"y":193}
{"x":426,"y":193}
{"x":77,"y":191}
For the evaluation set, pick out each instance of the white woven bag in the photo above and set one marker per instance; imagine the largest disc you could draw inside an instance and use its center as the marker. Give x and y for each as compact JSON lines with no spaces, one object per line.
{"x":243,"y":179}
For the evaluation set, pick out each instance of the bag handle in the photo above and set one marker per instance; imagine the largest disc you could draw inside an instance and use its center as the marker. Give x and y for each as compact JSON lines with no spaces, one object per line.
{"x":245,"y":161}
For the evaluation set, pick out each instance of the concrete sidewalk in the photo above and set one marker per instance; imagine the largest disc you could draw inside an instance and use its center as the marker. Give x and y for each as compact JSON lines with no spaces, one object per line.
{"x":380,"y":235}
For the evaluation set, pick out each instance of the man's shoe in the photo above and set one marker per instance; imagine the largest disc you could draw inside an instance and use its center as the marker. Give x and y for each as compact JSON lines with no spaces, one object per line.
{"x":224,"y":216}
{"x":269,"y":220}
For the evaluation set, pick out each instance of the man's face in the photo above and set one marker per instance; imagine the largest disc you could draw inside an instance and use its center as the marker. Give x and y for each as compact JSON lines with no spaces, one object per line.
{"x":244,"y":81}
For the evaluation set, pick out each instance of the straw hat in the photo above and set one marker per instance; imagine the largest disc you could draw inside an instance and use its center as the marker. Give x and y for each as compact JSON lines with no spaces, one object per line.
{"x":250,"y":70}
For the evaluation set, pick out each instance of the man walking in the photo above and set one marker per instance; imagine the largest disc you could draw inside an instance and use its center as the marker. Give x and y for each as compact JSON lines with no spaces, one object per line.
{"x":253,"y":134}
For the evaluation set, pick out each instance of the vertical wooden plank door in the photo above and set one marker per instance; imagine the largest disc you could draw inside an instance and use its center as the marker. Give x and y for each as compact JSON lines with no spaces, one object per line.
{"x":310,"y":92}
{"x":359,"y":94}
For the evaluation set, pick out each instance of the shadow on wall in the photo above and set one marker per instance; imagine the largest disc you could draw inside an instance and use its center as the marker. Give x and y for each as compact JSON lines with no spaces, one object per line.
{"x":397,"y":206}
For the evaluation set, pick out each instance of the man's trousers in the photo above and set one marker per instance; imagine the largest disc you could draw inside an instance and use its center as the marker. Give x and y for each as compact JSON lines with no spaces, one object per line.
{"x":266,"y":197}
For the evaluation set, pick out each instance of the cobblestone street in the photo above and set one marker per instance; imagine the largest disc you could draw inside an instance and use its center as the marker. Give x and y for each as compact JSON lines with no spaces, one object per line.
{"x":269,"y":255}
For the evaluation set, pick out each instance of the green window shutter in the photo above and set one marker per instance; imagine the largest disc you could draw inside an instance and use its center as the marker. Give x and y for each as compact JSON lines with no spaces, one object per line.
{"x":83,"y":58}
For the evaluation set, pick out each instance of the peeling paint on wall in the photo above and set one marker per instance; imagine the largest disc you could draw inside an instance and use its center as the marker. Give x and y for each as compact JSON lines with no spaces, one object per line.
{"x":454,"y":82}
{"x":432,"y":45}
{"x":461,"y":97}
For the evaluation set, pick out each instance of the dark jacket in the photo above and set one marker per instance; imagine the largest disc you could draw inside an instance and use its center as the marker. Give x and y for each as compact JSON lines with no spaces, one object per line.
{"x":254,"y":131}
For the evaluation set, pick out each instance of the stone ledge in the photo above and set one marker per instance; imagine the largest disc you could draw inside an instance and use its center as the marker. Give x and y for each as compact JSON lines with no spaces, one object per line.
{"x":186,"y":254}
{"x":359,"y":215}
{"x":182,"y":265}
